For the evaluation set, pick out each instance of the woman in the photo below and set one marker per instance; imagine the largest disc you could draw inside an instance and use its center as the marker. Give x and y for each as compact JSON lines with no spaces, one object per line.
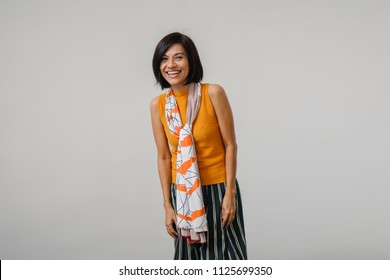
{"x":197,"y":153}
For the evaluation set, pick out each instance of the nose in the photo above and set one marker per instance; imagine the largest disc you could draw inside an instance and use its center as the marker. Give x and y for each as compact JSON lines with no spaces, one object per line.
{"x":171,"y":63}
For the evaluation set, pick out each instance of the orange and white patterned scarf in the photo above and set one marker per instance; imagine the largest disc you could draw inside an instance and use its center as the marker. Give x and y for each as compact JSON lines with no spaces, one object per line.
{"x":190,"y":210}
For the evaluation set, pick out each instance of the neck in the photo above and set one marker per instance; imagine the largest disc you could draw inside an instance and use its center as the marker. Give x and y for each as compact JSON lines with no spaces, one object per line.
{"x":179,"y":88}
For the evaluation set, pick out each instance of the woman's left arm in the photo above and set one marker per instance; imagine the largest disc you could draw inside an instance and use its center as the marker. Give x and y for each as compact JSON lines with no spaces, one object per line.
{"x":224,"y":115}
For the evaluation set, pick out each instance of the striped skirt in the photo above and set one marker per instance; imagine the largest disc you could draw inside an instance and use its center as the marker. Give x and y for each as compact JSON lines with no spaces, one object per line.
{"x":222,"y":243}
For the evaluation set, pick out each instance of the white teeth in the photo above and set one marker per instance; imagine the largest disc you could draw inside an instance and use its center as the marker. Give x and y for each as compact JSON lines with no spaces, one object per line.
{"x":173,"y":72}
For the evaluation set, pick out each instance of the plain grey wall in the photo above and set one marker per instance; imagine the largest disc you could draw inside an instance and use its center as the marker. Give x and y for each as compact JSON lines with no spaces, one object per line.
{"x":309,"y":85}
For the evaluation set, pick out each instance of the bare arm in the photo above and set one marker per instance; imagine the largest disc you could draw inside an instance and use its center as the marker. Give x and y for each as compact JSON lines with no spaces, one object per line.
{"x":164,"y":165}
{"x":224,"y":115}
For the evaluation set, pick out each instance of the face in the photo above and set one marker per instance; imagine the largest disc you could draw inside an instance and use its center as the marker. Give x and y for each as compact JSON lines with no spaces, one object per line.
{"x":174,"y":67}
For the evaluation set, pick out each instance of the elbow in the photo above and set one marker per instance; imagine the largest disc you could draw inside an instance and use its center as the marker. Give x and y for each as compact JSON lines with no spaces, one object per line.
{"x":164,"y":157}
{"x":232,"y":147}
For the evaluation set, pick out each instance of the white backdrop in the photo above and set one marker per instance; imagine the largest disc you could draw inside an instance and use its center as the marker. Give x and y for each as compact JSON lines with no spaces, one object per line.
{"x":309,"y":85}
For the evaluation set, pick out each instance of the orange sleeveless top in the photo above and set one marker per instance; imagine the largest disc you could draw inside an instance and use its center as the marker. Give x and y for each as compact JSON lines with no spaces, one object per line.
{"x":210,"y":150}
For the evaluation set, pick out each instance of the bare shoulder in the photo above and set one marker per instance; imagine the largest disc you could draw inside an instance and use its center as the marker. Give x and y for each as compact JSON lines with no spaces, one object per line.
{"x":154,"y":103}
{"x":217,"y":95}
{"x":215,"y":90}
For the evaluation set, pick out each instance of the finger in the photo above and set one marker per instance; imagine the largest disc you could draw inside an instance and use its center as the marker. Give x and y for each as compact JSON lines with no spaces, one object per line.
{"x":233,"y":216}
{"x":171,"y":224}
{"x":174,"y":228}
{"x":229,"y":219}
{"x":225,"y":219}
{"x":172,"y":232}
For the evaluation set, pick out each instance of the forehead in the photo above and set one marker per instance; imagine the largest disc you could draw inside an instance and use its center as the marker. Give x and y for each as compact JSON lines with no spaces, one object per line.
{"x":175,"y":49}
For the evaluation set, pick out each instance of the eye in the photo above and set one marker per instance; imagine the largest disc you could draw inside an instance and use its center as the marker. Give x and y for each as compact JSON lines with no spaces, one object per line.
{"x":179,"y":57}
{"x":164,"y":59}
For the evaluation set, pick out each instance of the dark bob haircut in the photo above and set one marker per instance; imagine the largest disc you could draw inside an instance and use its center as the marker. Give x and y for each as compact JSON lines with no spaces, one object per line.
{"x":196,"y":70}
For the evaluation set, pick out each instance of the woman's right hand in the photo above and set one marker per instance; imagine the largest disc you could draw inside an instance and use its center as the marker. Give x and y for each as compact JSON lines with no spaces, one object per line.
{"x":170,"y":222}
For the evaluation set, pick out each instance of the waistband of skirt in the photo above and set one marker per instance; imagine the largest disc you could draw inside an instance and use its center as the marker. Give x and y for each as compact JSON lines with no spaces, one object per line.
{"x":211,"y":185}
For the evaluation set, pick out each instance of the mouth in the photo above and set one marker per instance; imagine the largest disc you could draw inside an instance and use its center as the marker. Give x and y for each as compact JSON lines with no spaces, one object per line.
{"x":173,"y":74}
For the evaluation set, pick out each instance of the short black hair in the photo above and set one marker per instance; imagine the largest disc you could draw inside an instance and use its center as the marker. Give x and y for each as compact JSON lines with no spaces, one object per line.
{"x":196,"y":70}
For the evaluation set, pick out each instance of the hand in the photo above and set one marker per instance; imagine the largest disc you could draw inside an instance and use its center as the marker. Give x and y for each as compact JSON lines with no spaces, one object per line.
{"x":228,"y":208}
{"x":170,"y":222}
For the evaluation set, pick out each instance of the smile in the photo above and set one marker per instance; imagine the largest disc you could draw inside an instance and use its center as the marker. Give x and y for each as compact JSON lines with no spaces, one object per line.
{"x":173,"y":73}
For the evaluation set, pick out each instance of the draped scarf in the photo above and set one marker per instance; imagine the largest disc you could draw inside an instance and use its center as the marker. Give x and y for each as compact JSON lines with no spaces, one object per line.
{"x":190,"y":211}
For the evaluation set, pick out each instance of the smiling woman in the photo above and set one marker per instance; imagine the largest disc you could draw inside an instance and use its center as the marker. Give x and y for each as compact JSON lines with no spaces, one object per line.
{"x":197,"y":155}
{"x":174,"y":67}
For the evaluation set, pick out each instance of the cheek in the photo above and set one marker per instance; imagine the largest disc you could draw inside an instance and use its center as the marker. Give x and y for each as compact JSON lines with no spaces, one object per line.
{"x":187,"y":67}
{"x":163,"y":65}
{"x":162,"y":70}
